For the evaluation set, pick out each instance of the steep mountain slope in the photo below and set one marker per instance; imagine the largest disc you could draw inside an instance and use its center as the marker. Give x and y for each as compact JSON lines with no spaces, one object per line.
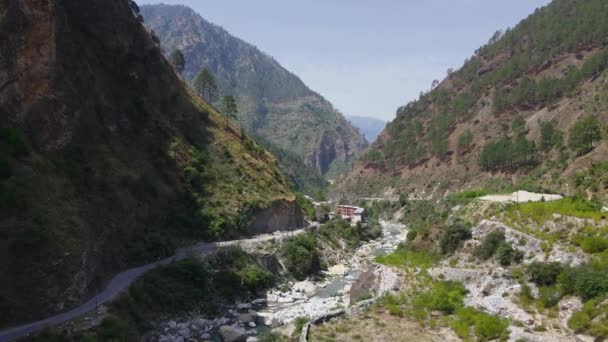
{"x":370,"y":127}
{"x":272,"y":102}
{"x":107,"y":159}
{"x":513,"y":113}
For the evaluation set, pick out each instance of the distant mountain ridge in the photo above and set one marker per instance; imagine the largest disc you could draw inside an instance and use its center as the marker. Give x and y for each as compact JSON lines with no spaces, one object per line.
{"x":370,"y":127}
{"x":273,"y":102}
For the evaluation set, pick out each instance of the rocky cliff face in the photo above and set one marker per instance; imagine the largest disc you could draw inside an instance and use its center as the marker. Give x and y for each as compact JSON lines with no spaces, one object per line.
{"x":106,"y":159}
{"x":282,"y":215}
{"x":272,"y":102}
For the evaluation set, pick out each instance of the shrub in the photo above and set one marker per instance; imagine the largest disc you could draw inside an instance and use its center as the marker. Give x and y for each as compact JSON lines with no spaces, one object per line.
{"x":587,"y":281}
{"x":234,"y":273}
{"x":489,"y":245}
{"x":599,"y":330}
{"x":506,"y":254}
{"x":299,"y":324}
{"x":15,"y":142}
{"x":6,"y":170}
{"x":549,"y":296}
{"x":403,"y":257}
{"x":456,"y":233}
{"x":590,"y":283}
{"x":579,"y":321}
{"x":593,"y":244}
{"x":12,"y":194}
{"x":526,"y":293}
{"x":191,"y":284}
{"x":544,"y":273}
{"x":306,"y":205}
{"x":446,"y":296}
{"x":466,"y":196}
{"x":113,"y":328}
{"x":254,"y":278}
{"x":301,"y":256}
{"x":464,"y":141}
{"x":489,"y":327}
{"x":486,"y":327}
{"x":270,"y":336}
{"x":352,"y":235}
{"x":541,"y":212}
{"x":173,"y":288}
{"x":395,"y":310}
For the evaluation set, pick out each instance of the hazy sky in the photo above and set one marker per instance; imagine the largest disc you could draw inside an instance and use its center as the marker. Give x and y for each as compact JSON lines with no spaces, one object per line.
{"x":368,"y":57}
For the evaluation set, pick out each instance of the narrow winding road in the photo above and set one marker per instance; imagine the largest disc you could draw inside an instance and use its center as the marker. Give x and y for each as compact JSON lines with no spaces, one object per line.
{"x":122,"y":280}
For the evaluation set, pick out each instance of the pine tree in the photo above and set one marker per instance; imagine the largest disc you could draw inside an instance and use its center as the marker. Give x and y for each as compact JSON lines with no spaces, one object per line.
{"x":206,"y":86}
{"x":178,"y":61}
{"x":584,"y":134}
{"x":229,"y":107}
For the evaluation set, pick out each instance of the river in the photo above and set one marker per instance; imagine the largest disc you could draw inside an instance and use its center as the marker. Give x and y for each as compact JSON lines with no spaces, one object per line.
{"x":317,"y":298}
{"x":302,"y":299}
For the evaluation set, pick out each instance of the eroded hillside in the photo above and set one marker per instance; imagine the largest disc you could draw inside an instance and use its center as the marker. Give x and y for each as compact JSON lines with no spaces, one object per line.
{"x":527,"y":108}
{"x":107,"y":159}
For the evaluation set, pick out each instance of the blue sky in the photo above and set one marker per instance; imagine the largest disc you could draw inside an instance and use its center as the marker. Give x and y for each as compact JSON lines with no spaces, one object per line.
{"x":368,"y":57}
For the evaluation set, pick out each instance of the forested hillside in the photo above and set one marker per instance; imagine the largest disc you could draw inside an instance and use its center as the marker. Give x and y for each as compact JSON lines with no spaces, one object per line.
{"x":528,"y":108}
{"x":272,"y":102}
{"x":107,"y":159}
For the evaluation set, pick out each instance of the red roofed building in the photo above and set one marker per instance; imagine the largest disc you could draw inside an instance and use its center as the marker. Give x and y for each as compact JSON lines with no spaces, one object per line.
{"x":351,"y":213}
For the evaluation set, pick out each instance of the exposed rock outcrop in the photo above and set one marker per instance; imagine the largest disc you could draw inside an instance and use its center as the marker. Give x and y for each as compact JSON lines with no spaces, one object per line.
{"x":364,"y":287}
{"x":281,"y":215}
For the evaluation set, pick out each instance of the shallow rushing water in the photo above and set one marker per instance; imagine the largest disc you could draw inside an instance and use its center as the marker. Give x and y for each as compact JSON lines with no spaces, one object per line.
{"x":333,"y":292}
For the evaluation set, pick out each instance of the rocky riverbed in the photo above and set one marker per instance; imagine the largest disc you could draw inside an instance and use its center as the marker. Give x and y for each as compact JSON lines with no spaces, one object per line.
{"x":298,"y":299}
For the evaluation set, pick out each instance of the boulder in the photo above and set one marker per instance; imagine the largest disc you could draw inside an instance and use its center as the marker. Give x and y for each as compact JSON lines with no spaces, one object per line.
{"x":243,"y":306}
{"x":233,"y":334}
{"x":185,"y":333}
{"x":249,"y":317}
{"x":260,"y":301}
{"x":364,"y":287}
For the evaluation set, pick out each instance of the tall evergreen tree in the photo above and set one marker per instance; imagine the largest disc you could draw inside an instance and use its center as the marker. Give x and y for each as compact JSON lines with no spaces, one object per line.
{"x":178,"y":61}
{"x":206,"y":86}
{"x":230,"y":108}
{"x":584,"y":134}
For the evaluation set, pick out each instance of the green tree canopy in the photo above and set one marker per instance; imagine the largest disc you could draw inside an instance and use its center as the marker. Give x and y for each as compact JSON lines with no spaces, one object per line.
{"x":206,"y":86}
{"x":550,"y":136}
{"x":584,"y":134}
{"x":178,"y":61}
{"x":518,"y":126}
{"x":229,"y":107}
{"x":465,"y":140}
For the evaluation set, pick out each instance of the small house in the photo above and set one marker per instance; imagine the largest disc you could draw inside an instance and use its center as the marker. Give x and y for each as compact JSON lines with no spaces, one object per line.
{"x":351,"y":213}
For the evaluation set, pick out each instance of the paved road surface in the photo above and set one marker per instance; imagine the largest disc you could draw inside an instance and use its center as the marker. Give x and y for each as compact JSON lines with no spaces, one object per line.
{"x":123,"y":279}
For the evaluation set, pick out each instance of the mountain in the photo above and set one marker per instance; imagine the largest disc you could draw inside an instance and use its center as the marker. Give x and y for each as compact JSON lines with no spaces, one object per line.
{"x":108,"y":160}
{"x":527,"y":109}
{"x":370,"y":127}
{"x":273,"y":103}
